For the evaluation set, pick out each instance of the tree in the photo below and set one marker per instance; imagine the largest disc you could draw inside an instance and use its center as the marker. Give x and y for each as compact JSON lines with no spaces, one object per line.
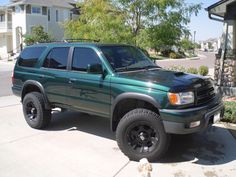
{"x":145,"y":23}
{"x":210,"y":46}
{"x":37,"y":35}
{"x":186,"y":44}
{"x":99,"y":19}
{"x":164,"y":18}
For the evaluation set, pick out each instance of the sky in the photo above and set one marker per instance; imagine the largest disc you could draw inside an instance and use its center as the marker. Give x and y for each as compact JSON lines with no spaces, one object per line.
{"x":204,"y":27}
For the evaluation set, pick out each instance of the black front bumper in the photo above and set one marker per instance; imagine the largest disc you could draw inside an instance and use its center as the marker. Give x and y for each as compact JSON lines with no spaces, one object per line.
{"x":179,"y":120}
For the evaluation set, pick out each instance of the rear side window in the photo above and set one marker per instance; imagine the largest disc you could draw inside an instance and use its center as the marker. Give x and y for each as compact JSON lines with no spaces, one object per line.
{"x":57,"y":58}
{"x":83,"y":57}
{"x":30,"y":56}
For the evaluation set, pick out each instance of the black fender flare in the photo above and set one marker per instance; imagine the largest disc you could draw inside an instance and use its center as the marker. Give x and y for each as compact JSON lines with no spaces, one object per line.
{"x":40,"y":87}
{"x":131,"y":95}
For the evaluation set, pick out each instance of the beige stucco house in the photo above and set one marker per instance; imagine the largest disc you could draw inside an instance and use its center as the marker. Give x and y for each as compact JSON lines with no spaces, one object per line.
{"x":20,"y":16}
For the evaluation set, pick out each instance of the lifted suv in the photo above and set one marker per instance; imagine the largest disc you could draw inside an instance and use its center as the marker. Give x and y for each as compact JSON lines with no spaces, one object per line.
{"x":145,"y":103}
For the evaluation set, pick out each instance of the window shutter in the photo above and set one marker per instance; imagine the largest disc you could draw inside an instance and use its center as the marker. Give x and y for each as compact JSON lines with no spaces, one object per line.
{"x":44,"y":10}
{"x":28,"y":9}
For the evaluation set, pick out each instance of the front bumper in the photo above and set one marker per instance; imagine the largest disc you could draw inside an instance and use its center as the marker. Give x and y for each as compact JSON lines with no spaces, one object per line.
{"x":178,"y":121}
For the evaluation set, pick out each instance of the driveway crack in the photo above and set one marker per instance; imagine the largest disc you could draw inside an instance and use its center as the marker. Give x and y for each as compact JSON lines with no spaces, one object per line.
{"x":121,"y":168}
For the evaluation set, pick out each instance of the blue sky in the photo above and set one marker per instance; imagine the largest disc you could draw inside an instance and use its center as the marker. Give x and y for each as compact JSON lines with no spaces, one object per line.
{"x":204,"y":27}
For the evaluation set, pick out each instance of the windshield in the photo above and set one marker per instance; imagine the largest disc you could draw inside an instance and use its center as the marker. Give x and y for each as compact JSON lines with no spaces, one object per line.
{"x":125,"y":58}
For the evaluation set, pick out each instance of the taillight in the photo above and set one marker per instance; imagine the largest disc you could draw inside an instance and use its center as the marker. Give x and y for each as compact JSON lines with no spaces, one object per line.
{"x":12,"y":77}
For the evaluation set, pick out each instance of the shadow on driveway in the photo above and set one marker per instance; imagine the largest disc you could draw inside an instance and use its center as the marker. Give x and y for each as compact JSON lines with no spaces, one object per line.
{"x":211,"y":147}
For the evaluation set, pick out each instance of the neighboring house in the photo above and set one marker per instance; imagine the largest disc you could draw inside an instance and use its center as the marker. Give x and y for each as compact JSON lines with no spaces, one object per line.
{"x":20,"y":16}
{"x":212,"y":44}
{"x":5,"y":31}
{"x":225,"y":66}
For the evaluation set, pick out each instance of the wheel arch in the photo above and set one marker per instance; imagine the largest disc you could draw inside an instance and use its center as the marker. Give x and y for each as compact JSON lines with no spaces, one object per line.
{"x":139,"y":100}
{"x":31,"y":86}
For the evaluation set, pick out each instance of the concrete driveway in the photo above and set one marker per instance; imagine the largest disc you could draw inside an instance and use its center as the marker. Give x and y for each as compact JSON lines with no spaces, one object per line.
{"x":79,"y":145}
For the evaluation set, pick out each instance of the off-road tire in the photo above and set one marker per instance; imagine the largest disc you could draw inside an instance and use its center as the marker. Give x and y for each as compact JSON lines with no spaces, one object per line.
{"x":142,"y":118}
{"x":42,"y":117}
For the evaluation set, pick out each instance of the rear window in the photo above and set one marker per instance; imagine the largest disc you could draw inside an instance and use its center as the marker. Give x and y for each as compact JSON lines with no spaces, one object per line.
{"x":30,"y":56}
{"x":57,"y":58}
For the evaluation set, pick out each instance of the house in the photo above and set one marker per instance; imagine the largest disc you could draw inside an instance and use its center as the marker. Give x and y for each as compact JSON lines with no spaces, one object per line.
{"x":212,"y":44}
{"x":20,"y":16}
{"x":225,"y":65}
{"x":5,"y":31}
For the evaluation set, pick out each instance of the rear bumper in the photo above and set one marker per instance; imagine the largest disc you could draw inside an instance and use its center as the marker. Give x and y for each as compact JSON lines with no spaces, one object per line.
{"x":183,"y":118}
{"x":16,"y":91}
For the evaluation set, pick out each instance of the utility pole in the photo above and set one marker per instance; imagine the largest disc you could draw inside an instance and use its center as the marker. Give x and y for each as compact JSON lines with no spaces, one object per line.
{"x":194,"y":41}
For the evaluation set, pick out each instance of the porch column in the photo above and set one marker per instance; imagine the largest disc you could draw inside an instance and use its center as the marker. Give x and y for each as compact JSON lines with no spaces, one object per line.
{"x":225,"y":65}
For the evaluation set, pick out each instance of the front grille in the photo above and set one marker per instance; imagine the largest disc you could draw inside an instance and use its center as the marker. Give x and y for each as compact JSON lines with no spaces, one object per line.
{"x":205,"y":93}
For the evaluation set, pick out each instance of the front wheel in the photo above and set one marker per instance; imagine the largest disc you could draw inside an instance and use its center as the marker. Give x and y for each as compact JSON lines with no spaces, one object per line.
{"x":140,"y":134}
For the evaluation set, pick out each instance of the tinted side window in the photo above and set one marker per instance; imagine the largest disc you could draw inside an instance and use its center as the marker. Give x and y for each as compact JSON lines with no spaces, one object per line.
{"x":30,"y":56}
{"x":57,"y":58}
{"x":83,"y":57}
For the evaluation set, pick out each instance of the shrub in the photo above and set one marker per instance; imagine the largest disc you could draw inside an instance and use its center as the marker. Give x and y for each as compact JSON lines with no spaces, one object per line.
{"x":203,"y":70}
{"x":192,"y":70}
{"x":173,"y":55}
{"x":38,"y":35}
{"x":177,"y":68}
{"x":230,"y":112}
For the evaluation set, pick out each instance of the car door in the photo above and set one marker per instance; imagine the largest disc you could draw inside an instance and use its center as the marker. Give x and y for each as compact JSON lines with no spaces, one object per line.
{"x":55,"y":80}
{"x":88,"y":92}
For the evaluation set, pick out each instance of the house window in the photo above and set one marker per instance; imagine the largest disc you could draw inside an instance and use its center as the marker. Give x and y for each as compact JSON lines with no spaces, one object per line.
{"x":36,"y":10}
{"x":17,"y":9}
{"x":49,"y":15}
{"x":2,"y":17}
{"x":57,"y":16}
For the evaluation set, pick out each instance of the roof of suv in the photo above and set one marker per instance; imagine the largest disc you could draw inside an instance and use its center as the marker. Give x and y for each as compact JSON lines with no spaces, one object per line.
{"x":61,"y":44}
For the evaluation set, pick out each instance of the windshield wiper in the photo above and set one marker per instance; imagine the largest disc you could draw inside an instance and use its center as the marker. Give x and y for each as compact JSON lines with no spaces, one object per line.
{"x":151,"y":66}
{"x":128,"y":69}
{"x":136,"y":68}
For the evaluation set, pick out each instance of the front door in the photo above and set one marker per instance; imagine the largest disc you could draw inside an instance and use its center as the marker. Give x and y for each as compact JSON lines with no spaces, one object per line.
{"x":88,"y":92}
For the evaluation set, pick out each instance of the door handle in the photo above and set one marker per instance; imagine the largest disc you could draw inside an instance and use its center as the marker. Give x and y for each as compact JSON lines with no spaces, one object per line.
{"x":41,"y":76}
{"x":71,"y":81}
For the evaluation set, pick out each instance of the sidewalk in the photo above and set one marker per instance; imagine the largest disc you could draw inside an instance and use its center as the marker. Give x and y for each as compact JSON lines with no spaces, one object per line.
{"x":78,"y":145}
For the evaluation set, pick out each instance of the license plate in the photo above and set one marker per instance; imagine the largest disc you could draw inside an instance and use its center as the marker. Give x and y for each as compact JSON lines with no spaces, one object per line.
{"x":216,"y":117}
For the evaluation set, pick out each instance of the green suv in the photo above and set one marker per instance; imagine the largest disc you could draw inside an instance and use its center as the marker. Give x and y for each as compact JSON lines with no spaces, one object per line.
{"x":144,"y":103}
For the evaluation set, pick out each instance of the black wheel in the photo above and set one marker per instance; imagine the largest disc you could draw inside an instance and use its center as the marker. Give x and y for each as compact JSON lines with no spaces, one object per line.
{"x":34,"y":111}
{"x":140,"y":134}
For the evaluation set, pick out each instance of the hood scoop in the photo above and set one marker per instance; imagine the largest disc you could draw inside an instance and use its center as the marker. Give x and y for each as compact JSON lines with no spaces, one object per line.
{"x":179,"y":74}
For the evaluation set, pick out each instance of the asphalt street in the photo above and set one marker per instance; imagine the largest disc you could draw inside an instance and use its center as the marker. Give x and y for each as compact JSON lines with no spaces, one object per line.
{"x":206,"y":59}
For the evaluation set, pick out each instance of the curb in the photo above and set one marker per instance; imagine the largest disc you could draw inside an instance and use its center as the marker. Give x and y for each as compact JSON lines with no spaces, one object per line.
{"x":182,"y":59}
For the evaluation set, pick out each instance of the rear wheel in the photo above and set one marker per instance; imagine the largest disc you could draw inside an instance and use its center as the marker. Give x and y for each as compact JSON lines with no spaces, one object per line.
{"x":34,"y":111}
{"x":140,"y":134}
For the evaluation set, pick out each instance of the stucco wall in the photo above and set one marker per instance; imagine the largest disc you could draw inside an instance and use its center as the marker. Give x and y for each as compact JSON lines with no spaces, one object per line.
{"x":36,"y":20}
{"x":3,"y":46}
{"x":56,"y":28}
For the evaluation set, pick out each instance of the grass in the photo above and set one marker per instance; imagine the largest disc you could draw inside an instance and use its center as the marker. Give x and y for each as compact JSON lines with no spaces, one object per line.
{"x":230,"y":112}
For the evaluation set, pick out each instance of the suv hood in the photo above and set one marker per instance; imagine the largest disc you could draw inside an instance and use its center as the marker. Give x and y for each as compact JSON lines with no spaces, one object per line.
{"x":175,"y":81}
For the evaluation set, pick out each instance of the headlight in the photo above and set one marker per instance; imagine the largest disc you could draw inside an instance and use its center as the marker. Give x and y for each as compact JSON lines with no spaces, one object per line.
{"x":181,"y":98}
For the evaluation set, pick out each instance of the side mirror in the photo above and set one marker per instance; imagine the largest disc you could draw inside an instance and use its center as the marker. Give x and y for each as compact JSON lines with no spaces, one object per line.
{"x":95,"y":69}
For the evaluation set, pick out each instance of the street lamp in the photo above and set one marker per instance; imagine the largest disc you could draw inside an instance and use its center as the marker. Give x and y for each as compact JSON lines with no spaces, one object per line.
{"x":194,"y":41}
